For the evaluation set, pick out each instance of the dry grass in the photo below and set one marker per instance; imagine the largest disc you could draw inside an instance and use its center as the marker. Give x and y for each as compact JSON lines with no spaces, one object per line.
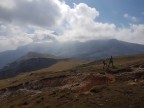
{"x":112,"y":96}
{"x":39,"y":74}
{"x":115,"y":95}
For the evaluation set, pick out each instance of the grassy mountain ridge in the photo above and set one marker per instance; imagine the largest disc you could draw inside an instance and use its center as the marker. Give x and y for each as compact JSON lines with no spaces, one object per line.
{"x":26,"y":66}
{"x":30,"y":55}
{"x":33,"y":61}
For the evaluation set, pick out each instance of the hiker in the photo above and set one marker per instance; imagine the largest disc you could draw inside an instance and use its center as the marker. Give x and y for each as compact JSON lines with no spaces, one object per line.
{"x":104,"y":64}
{"x":110,"y":62}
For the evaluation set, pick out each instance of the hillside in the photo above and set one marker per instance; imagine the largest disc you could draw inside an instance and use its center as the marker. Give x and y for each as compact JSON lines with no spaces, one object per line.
{"x":89,"y":50}
{"x":30,"y":55}
{"x":98,"y":49}
{"x":85,"y":86}
{"x":26,"y":66}
{"x":33,"y":61}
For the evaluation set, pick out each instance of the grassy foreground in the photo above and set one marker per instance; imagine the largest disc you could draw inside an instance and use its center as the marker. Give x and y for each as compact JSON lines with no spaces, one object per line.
{"x":85,"y":86}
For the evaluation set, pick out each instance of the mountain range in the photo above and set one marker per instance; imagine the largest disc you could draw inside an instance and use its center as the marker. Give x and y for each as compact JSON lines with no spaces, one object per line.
{"x":89,"y":50}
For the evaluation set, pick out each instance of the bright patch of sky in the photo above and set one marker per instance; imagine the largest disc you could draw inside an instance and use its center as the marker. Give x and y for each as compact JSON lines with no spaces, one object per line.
{"x":112,"y":11}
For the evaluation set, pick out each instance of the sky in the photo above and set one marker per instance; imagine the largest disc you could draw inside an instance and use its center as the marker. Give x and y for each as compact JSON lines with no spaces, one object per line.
{"x":24,"y":22}
{"x":112,"y":11}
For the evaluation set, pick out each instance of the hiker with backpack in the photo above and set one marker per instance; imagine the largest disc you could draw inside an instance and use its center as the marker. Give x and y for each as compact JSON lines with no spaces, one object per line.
{"x":111,"y":62}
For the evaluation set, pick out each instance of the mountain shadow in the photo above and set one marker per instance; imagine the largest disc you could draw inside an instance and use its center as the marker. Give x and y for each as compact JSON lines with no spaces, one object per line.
{"x":29,"y":65}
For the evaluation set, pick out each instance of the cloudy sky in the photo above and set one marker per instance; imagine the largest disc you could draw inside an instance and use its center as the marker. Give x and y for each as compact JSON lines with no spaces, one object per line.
{"x":31,"y":21}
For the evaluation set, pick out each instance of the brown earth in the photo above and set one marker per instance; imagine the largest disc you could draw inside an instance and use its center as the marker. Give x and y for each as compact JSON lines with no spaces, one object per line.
{"x":86,"y":86}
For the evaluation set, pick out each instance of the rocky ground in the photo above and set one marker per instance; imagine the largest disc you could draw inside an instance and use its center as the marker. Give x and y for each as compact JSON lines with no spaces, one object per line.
{"x":119,"y":87}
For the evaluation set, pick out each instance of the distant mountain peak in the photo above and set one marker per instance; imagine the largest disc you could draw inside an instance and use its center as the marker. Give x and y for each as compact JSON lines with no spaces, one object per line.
{"x":31,"y":55}
{"x":88,"y":50}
